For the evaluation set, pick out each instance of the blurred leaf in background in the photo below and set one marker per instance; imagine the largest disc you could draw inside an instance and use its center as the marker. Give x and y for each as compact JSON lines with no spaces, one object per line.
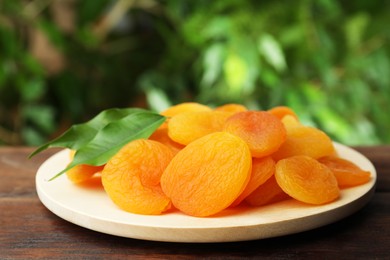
{"x":63,"y":61}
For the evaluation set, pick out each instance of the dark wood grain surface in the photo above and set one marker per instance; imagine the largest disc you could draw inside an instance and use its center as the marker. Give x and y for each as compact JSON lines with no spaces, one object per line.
{"x":28,"y":230}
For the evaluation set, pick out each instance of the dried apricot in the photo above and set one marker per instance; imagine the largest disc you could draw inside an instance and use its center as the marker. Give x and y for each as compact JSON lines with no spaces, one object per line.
{"x":282,"y":111}
{"x":290,"y":121}
{"x":82,"y":172}
{"x":161,"y":135}
{"x":189,"y":126}
{"x":346,"y":172}
{"x":233,"y":108}
{"x":263,"y":132}
{"x":267,"y":193}
{"x":208,"y":174}
{"x":307,"y":180}
{"x":131,"y":177}
{"x":184,"y":107}
{"x":262,"y":170}
{"x":303,"y":140}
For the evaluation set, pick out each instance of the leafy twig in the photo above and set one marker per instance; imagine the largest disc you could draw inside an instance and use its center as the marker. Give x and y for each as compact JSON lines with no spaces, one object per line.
{"x":97,"y":140}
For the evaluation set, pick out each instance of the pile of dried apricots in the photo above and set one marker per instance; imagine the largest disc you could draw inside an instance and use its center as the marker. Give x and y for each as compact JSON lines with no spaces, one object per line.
{"x":203,"y":160}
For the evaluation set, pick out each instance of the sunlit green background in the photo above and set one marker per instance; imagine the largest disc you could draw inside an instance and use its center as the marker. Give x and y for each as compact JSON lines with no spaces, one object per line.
{"x":63,"y":61}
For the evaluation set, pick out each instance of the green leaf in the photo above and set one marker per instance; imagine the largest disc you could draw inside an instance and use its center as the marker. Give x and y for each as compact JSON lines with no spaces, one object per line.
{"x":112,"y":137}
{"x":212,"y":64}
{"x":40,"y":116}
{"x":217,"y":28}
{"x":157,"y":99}
{"x":32,"y":90}
{"x":32,"y":136}
{"x":272,"y":52}
{"x":236,"y":72}
{"x":79,"y":135}
{"x":355,"y":29}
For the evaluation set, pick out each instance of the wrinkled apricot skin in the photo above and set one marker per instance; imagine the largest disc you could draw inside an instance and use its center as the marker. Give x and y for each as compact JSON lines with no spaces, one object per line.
{"x":290,"y":122}
{"x":184,"y":107}
{"x":262,"y":170}
{"x":186,"y":127}
{"x":161,"y":135}
{"x":347,"y":173}
{"x":282,"y":111}
{"x":82,"y":172}
{"x":233,"y":108}
{"x":208,"y":174}
{"x":131,"y":178}
{"x":303,"y":140}
{"x":307,"y":180}
{"x":263,"y":132}
{"x":267,"y":193}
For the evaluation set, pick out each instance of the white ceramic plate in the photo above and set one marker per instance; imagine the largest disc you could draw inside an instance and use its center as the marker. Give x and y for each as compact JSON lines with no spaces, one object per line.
{"x":91,"y":208}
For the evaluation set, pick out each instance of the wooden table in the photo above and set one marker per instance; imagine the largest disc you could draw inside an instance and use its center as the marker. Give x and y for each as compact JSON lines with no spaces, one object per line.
{"x":29,"y":230}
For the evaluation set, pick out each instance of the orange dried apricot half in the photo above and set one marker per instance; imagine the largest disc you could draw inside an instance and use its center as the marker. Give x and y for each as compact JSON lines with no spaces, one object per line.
{"x":304,"y":140}
{"x":262,"y":170}
{"x":282,"y":111}
{"x":208,"y":174}
{"x":82,"y":172}
{"x":263,"y":132}
{"x":267,"y":193}
{"x":189,"y":126}
{"x":346,"y":172}
{"x":131,"y":177}
{"x":307,"y":180}
{"x":161,"y":135}
{"x":232,"y":107}
{"x":184,"y":107}
{"x":290,"y":121}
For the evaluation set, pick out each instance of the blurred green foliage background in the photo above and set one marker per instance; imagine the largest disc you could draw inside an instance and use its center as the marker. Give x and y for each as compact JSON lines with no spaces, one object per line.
{"x":63,"y":61}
